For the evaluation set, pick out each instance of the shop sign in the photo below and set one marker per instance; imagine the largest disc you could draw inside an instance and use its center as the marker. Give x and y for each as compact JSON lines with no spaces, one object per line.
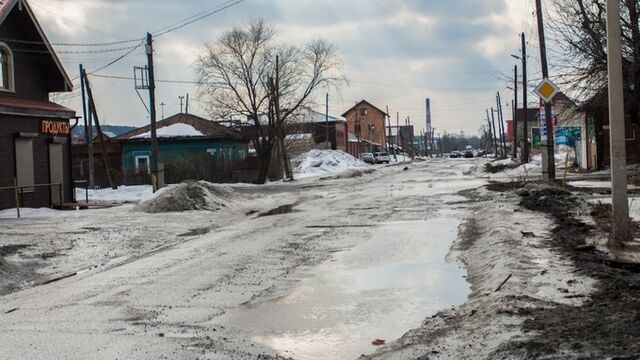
{"x":54,"y":128}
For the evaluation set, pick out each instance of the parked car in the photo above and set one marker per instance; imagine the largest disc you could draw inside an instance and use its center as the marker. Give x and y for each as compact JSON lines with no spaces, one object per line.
{"x":468,"y":152}
{"x":368,"y":158}
{"x":382,"y":157}
{"x":455,"y":154}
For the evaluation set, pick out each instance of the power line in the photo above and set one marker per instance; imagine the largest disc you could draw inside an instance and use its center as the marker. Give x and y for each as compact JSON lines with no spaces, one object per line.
{"x":195,"y":18}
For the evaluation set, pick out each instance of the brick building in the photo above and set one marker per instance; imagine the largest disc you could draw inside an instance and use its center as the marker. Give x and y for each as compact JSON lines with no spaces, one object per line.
{"x":367,"y":122}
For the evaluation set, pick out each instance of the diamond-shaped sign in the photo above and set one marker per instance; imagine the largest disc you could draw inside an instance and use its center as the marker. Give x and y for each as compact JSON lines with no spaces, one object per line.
{"x":547,"y":90}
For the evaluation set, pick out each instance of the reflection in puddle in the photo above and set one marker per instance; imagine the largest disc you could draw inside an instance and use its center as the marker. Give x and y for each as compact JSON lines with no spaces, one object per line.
{"x":378,"y":289}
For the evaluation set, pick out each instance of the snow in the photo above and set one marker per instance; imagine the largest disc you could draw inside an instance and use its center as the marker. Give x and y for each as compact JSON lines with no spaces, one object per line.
{"x":30,"y":213}
{"x":326,"y":162}
{"x":188,"y":196}
{"x":121,"y":195}
{"x":534,"y":167}
{"x":175,"y":130}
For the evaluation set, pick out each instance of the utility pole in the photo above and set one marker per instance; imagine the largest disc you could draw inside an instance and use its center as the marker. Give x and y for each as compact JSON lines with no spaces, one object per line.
{"x":186,"y":105}
{"x":88,"y":130}
{"x":94,"y":112}
{"x":181,"y":103}
{"x":162,"y":105}
{"x":620,"y":213}
{"x":326,"y":121}
{"x":548,"y":158}
{"x":152,"y":113}
{"x":495,"y":141}
{"x":525,"y":121}
{"x":398,"y":130}
{"x":514,"y":107}
{"x":491,"y":144}
{"x":389,"y":144}
{"x":501,"y":125}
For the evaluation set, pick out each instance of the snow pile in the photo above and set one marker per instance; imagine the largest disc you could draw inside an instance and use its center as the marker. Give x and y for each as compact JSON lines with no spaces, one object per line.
{"x":175,"y":130}
{"x":121,"y":195}
{"x":187,"y":196}
{"x":500,"y":165}
{"x":563,"y":153}
{"x":326,"y":162}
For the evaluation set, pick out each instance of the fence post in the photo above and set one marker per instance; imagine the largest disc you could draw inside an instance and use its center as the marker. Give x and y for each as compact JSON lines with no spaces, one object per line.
{"x":15,"y":190}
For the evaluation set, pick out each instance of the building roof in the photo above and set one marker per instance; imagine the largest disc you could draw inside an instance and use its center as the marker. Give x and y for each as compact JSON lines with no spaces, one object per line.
{"x":312,"y":116}
{"x":208,"y":128}
{"x":33,"y":107}
{"x":359,"y":103}
{"x":6,"y":6}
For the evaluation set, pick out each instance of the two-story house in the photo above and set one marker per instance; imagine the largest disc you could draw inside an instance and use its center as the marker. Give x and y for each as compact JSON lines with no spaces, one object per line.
{"x":367,"y":123}
{"x":34,"y":132}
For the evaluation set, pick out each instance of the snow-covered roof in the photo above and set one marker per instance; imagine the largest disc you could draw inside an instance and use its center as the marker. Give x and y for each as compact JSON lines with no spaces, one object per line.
{"x":175,"y":130}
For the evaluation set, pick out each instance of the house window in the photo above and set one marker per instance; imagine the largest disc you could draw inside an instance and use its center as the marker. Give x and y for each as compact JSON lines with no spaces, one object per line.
{"x":25,"y":170}
{"x":142,"y":164}
{"x":363,"y":112}
{"x":6,"y":68}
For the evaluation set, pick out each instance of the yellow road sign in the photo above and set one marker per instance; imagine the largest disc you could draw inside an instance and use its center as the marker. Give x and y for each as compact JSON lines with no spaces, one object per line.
{"x":547,"y":90}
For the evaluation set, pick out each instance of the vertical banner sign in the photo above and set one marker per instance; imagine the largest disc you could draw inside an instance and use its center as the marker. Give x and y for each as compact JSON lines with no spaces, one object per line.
{"x":428,"y":120}
{"x":543,"y":121}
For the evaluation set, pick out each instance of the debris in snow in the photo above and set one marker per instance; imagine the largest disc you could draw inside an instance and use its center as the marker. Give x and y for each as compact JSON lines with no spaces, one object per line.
{"x":187,"y":196}
{"x":504,"y":282}
{"x":325,"y":162}
{"x":378,"y":342}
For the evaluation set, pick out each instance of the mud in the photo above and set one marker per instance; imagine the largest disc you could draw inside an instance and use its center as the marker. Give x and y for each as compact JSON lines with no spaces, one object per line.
{"x":608,"y":324}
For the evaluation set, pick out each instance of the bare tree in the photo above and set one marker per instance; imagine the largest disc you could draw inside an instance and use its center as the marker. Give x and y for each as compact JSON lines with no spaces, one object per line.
{"x":247,"y":73}
{"x":579,"y":29}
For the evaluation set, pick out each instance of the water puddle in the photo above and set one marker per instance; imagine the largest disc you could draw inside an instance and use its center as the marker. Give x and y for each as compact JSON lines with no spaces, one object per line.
{"x":377,"y":290}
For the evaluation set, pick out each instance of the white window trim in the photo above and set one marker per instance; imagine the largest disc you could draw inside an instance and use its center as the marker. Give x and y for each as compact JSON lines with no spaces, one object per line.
{"x":148,"y":162}
{"x":10,"y":69}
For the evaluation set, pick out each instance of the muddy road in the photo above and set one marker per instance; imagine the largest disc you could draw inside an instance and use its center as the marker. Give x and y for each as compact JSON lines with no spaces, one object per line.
{"x":317,"y":273}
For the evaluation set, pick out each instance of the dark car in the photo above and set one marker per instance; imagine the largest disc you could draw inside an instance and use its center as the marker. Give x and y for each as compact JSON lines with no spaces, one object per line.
{"x":455,"y":154}
{"x":468,"y":152}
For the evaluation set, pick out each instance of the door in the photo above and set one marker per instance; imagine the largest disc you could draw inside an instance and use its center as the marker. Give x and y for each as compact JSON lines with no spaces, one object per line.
{"x":56,"y":171}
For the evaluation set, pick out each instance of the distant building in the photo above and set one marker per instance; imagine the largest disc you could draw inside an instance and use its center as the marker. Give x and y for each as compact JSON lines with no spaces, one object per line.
{"x":34,"y":132}
{"x":311,"y":130}
{"x":367,"y":122}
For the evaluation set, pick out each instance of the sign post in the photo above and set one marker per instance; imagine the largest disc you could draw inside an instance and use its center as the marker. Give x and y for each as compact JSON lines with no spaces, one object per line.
{"x":547,"y":90}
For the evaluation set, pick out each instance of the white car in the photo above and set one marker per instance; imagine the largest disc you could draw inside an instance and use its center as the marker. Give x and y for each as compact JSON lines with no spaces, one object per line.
{"x":368,"y":158}
{"x":382,"y":157}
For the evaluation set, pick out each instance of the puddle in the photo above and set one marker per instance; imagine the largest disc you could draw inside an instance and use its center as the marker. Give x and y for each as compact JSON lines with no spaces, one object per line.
{"x":377,"y":290}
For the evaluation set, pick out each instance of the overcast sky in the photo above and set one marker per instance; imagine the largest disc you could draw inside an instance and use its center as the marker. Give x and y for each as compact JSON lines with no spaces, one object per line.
{"x":396,"y":52}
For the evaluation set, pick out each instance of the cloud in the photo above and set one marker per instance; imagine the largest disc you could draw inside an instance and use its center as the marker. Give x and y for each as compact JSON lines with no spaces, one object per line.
{"x":396,"y":52}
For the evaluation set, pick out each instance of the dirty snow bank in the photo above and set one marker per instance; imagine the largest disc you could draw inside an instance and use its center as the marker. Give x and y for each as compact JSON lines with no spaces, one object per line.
{"x":563,"y":154}
{"x":325,"y":162}
{"x":511,"y":271}
{"x":189,"y":195}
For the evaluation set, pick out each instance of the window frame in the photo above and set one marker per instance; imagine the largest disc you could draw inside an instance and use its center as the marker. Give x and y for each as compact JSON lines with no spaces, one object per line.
{"x":10,"y":69}
{"x":137,"y":164}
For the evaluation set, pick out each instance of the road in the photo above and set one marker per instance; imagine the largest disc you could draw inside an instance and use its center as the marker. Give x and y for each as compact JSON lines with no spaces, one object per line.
{"x":350,"y":260}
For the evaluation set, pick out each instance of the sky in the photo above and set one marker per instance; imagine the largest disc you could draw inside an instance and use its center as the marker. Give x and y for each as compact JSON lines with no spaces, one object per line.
{"x":396,"y":53}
